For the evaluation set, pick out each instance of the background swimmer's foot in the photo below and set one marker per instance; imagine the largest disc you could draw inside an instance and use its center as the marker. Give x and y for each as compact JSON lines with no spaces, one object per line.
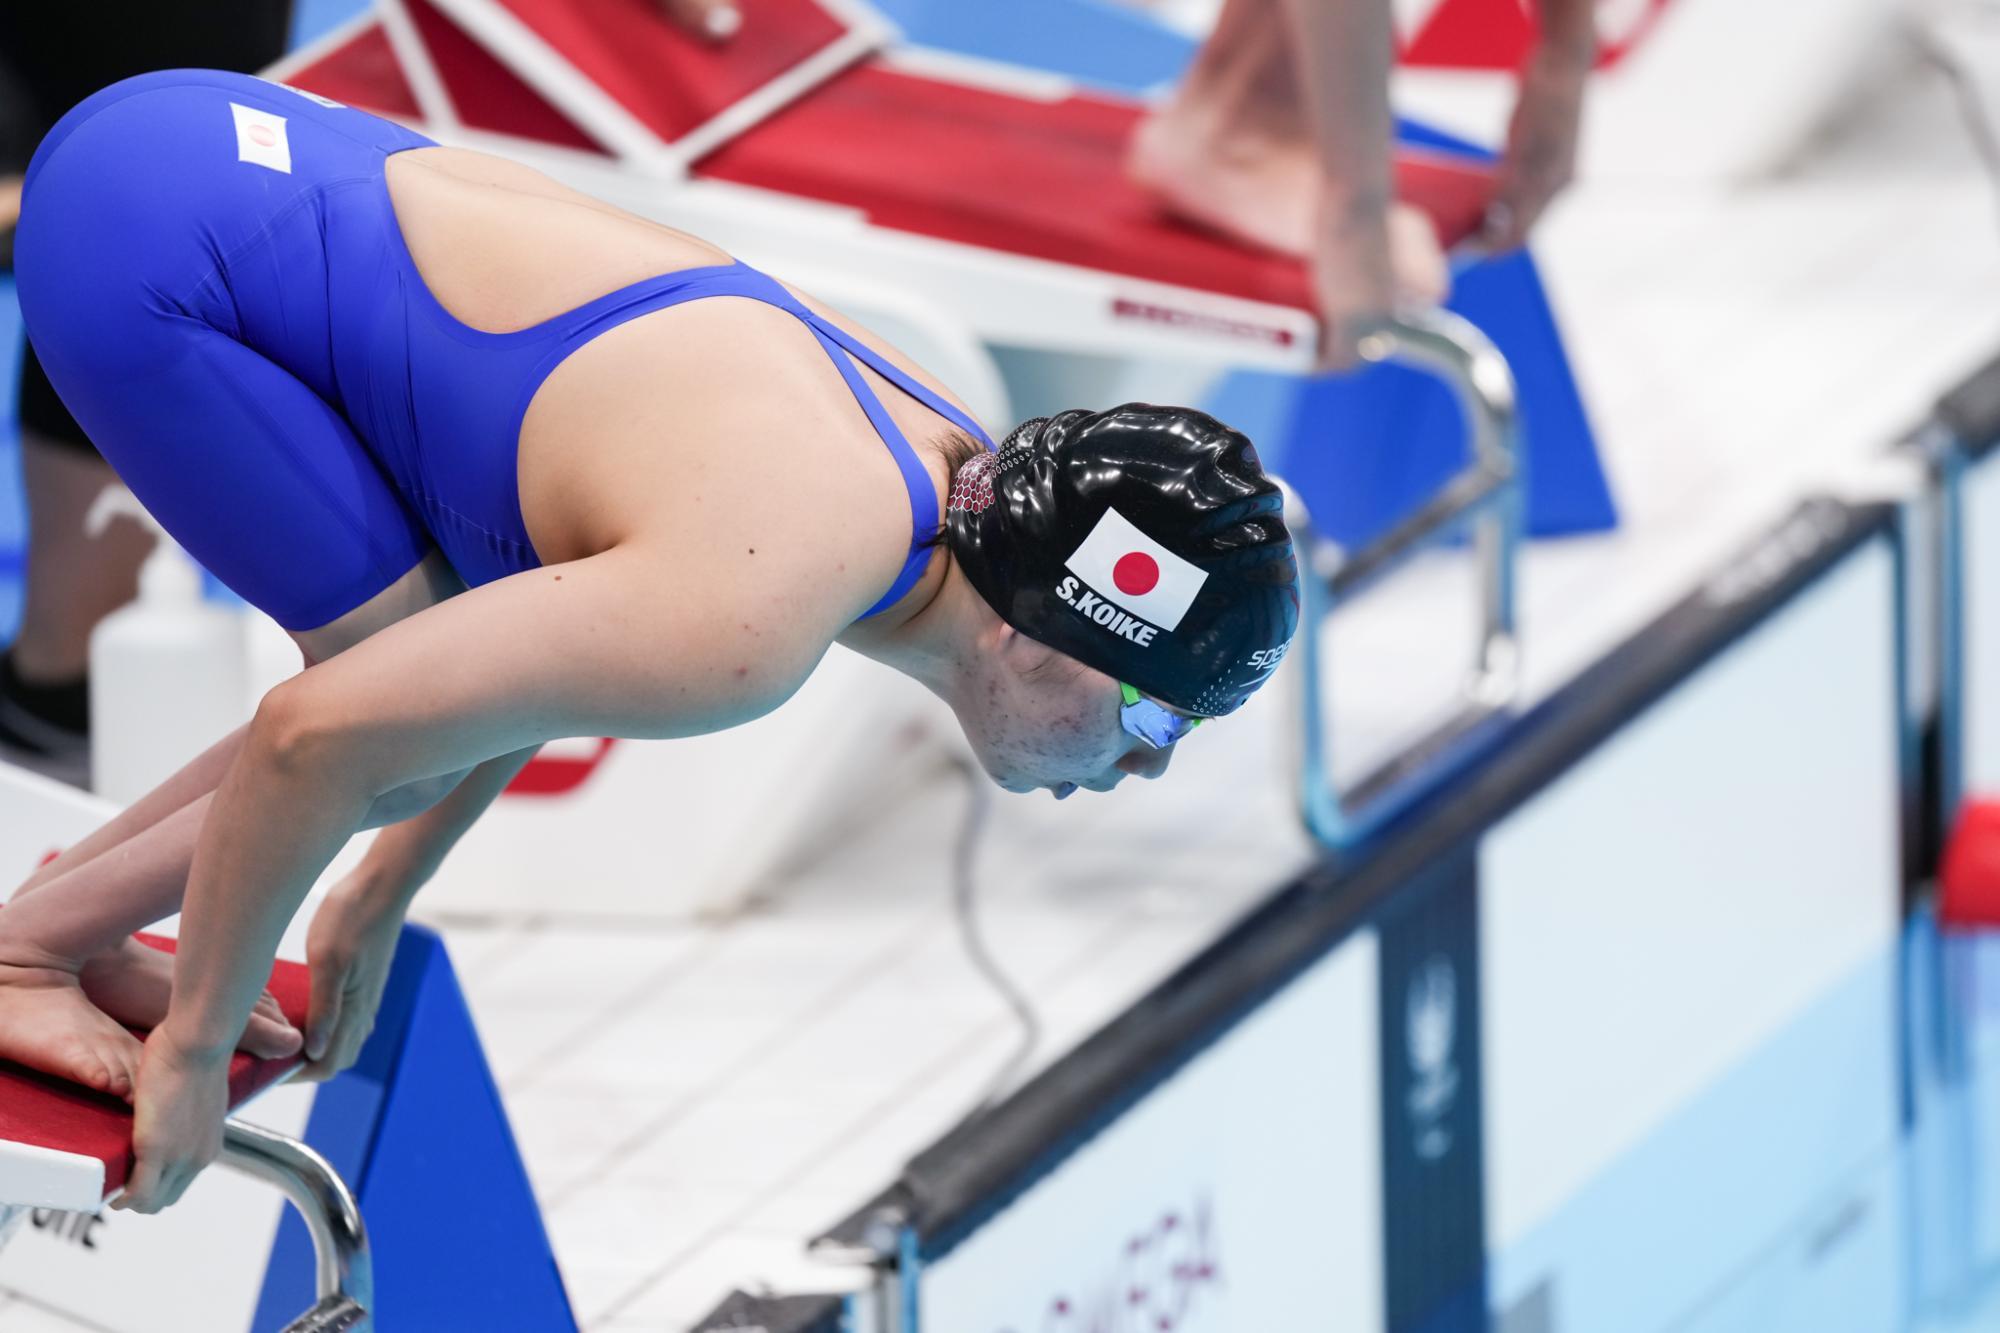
{"x":134,"y":983}
{"x":1266,"y":194}
{"x":1263,"y":193}
{"x":48,"y":1024}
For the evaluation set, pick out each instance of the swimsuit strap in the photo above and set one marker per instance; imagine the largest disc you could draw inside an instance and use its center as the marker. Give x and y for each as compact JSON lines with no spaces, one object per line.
{"x":844,"y":349}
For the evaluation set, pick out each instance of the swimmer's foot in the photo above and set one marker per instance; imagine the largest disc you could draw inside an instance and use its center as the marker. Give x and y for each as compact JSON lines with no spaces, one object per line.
{"x":1258,"y":191}
{"x":133,"y":984}
{"x":47,"y":1023}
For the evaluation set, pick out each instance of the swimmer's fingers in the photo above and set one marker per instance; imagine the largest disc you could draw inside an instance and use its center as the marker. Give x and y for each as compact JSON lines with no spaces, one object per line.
{"x":1540,"y":159}
{"x":176,"y":1122}
{"x":349,"y":949}
{"x":329,"y":987}
{"x":350,"y":1019}
{"x":711,"y":20}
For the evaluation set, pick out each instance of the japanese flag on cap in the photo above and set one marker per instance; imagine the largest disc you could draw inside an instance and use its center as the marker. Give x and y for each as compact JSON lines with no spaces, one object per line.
{"x":1131,"y":570}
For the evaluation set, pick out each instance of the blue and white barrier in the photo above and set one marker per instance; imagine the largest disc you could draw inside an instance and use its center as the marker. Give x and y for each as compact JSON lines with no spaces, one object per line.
{"x":1604,"y":1036}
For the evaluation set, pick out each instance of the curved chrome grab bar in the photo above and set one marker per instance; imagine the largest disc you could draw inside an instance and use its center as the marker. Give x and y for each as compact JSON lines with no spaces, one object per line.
{"x":1487,"y":496}
{"x":345,"y":1277}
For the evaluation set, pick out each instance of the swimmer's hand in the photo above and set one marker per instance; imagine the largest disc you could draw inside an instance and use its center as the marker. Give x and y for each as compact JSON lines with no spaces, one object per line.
{"x":1541,"y":145}
{"x":711,"y":20}
{"x":349,"y":948}
{"x":176,"y":1120}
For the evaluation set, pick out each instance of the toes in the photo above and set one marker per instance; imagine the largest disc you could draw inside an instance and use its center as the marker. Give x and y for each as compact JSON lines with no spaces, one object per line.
{"x":97,"y":1063}
{"x":89,"y":1069}
{"x":119,"y":1052}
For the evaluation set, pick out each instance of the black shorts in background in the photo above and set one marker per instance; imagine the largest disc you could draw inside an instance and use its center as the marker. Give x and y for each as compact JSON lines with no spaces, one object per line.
{"x":58,"y":52}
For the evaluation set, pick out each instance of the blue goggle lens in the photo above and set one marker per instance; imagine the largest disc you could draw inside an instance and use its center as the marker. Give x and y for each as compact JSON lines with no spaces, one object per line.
{"x":1153,"y":723}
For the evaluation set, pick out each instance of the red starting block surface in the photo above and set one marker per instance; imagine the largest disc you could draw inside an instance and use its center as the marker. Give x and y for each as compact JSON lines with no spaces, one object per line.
{"x":67,"y":1147}
{"x":1032,"y":176}
{"x":1035,"y":178}
{"x":644,"y":88}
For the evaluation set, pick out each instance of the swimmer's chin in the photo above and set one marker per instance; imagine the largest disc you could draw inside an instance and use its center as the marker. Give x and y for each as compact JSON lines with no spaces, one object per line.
{"x":1022,"y":787}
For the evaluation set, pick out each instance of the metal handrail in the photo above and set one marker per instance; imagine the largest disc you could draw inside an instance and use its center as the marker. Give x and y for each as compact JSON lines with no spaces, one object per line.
{"x":1485,"y":495}
{"x":345,"y":1277}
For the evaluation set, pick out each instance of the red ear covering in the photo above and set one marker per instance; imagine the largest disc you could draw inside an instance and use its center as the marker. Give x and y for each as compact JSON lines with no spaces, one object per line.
{"x":1969,"y":878}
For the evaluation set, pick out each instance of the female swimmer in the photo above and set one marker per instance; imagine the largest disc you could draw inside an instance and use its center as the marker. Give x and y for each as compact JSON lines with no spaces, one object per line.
{"x":511,"y":464}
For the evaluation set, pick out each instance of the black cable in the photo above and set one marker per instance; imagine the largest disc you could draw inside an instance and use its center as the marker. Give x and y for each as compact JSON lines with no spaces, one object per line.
{"x":979,"y":805}
{"x":1972,"y":107}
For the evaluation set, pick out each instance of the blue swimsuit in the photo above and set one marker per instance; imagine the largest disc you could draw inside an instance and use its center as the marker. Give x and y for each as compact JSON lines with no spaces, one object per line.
{"x":211,"y":271}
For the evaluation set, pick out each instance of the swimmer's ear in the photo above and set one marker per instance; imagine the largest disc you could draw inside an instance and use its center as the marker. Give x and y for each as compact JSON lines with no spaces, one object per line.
{"x":1025,"y":656}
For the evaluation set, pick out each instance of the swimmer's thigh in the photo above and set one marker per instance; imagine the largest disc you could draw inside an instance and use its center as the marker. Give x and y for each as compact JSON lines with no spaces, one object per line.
{"x":247,"y":467}
{"x":267,"y":487}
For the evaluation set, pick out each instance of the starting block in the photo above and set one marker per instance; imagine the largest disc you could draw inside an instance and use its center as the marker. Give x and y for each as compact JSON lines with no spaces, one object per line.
{"x":67,"y":1149}
{"x":413,"y":1138}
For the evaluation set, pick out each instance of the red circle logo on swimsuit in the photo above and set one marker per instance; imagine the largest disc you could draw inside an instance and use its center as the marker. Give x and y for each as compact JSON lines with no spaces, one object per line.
{"x":262,"y":136}
{"x":1136,"y":574}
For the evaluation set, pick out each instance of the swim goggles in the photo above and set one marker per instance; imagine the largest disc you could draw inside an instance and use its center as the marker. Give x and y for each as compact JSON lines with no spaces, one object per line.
{"x":1154,"y":723}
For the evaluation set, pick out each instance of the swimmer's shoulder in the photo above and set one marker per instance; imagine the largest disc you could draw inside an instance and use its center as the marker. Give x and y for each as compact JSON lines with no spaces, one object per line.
{"x":883,"y":348}
{"x":504,"y":247}
{"x":711,"y":430}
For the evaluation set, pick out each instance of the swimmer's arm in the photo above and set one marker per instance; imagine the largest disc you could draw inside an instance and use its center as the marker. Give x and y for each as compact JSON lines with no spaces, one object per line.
{"x":1569,"y":31}
{"x":1542,"y":134}
{"x":404,"y":856}
{"x":596,"y":647}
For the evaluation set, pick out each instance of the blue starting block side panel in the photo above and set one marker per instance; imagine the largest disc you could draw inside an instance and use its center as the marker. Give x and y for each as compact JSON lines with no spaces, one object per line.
{"x":1366,"y":448}
{"x":418,"y":1131}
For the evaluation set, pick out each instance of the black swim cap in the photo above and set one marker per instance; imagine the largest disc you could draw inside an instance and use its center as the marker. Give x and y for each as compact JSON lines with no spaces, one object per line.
{"x":1144,"y":541}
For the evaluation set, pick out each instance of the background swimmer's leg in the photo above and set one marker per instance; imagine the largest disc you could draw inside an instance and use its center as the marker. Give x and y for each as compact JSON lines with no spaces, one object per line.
{"x":75,"y":578}
{"x":1232,"y":148}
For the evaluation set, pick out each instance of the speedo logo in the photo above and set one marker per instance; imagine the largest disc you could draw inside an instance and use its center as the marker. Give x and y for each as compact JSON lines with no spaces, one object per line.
{"x":1267,"y":659}
{"x":1104,"y":613}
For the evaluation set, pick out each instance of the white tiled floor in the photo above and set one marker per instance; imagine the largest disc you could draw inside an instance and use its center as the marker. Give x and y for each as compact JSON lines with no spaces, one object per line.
{"x":695,"y":1102}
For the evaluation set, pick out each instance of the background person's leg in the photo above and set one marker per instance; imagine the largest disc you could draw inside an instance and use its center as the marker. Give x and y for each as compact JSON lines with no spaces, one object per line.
{"x":73,"y":579}
{"x":1232,"y":148}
